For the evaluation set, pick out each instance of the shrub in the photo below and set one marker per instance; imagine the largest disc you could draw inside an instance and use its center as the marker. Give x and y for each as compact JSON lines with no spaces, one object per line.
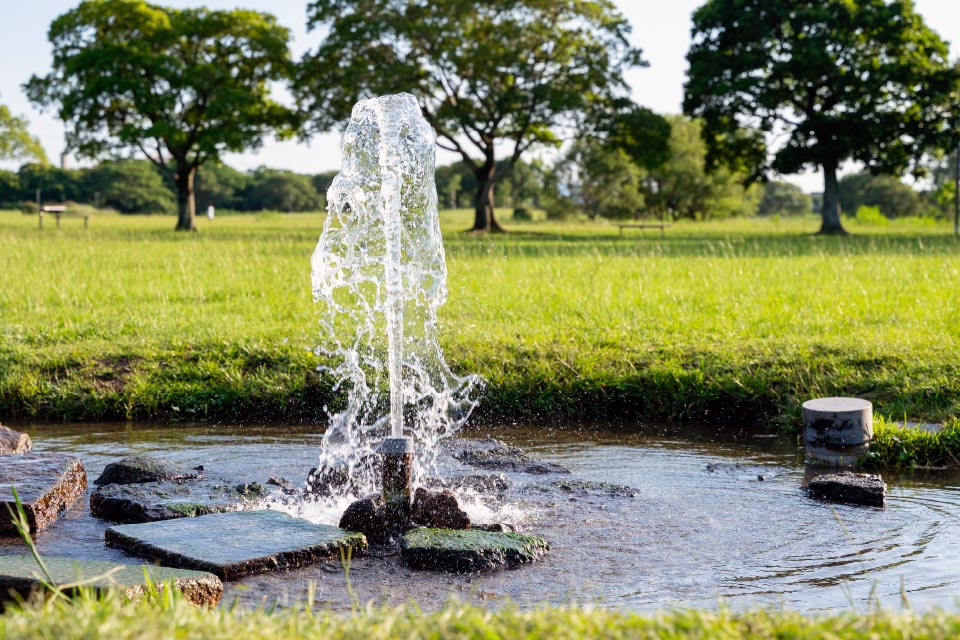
{"x":871,"y":215}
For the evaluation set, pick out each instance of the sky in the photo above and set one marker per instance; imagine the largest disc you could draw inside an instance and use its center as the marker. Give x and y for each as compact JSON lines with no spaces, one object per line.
{"x":660,"y":27}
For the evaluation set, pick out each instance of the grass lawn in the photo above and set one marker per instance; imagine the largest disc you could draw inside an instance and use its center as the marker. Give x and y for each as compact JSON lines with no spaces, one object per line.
{"x":731,"y":321}
{"x":88,"y":618}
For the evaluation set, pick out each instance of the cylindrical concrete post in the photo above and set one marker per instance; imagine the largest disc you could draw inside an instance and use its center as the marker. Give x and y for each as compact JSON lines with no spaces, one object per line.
{"x":397,"y":456}
{"x":837,"y":431}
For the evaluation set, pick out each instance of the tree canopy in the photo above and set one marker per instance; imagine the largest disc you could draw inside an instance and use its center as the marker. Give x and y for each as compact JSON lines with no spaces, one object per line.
{"x":16,"y":143}
{"x":838,"y":80}
{"x":503,"y":73}
{"x":182,"y":86}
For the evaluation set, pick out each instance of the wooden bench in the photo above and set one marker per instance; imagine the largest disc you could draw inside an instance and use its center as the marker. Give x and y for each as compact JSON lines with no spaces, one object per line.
{"x":61,"y":211}
{"x":645,"y":225}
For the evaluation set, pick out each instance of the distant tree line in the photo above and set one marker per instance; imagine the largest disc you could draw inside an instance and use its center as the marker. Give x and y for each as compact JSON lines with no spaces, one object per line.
{"x":590,"y":179}
{"x":136,"y":186}
{"x":824,"y":81}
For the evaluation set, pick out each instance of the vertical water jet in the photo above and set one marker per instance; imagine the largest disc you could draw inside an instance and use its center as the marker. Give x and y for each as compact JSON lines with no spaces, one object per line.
{"x":379,"y":277}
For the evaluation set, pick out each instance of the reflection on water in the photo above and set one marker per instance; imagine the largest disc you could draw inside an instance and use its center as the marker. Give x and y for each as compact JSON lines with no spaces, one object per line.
{"x":692,"y":537}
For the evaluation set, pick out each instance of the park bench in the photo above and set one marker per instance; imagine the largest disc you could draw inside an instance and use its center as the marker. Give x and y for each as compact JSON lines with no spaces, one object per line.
{"x":645,"y":225}
{"x":61,"y":211}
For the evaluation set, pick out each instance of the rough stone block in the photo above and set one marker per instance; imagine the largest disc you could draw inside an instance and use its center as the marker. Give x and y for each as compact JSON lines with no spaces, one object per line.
{"x":13,"y":441}
{"x":439,"y":510}
{"x":18,"y":578}
{"x":47,"y":484}
{"x":233,"y":545}
{"x":853,"y":488}
{"x":369,"y":517}
{"x":469,"y":551}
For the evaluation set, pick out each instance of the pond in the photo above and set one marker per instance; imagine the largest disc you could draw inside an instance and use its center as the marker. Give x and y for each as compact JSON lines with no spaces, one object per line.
{"x":693,"y":535}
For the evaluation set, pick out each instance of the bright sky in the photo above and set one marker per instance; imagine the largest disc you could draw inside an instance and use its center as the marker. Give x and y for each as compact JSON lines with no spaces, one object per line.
{"x":661,"y":28}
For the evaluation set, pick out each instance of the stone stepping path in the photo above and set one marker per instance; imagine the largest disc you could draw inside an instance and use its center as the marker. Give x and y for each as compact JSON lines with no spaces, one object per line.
{"x":237,"y":544}
{"x":47,"y":483}
{"x":18,"y":576}
{"x":469,"y":551}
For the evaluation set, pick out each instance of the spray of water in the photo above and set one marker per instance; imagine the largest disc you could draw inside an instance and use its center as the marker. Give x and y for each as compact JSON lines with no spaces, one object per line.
{"x":379,"y":277}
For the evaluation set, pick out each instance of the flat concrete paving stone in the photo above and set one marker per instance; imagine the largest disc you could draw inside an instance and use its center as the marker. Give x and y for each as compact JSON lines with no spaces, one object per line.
{"x":47,"y":483}
{"x":236,"y":544}
{"x":18,"y":578}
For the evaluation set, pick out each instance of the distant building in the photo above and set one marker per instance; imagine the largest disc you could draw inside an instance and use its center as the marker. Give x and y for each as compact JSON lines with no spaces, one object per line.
{"x":816,"y":199}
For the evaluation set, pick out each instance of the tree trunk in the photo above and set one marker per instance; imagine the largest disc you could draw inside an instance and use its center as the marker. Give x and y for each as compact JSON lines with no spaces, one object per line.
{"x":831,"y":202}
{"x":186,"y":203}
{"x":484,"y":218}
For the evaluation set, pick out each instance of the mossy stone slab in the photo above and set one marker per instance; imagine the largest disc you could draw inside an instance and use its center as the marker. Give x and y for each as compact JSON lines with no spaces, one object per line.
{"x":151,"y":501}
{"x":47,"y":484}
{"x":237,"y":544}
{"x":468,"y":551}
{"x":18,"y":578}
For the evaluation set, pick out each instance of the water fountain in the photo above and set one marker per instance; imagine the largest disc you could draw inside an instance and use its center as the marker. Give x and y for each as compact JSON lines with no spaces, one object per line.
{"x":379,"y":277}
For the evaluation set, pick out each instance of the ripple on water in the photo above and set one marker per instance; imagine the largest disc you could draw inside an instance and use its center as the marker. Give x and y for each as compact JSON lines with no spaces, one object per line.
{"x":690,"y":537}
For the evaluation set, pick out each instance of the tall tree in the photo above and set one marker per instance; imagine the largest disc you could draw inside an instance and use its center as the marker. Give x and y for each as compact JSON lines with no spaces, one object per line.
{"x":182,"y":86}
{"x":497,"y":74}
{"x":865,"y":80}
{"x":16,"y":143}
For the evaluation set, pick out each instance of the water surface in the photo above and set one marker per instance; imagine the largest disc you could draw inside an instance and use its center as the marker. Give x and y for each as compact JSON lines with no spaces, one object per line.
{"x":692,"y":537}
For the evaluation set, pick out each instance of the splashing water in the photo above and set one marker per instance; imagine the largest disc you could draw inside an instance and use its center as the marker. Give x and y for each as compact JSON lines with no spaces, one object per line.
{"x":379,"y":277}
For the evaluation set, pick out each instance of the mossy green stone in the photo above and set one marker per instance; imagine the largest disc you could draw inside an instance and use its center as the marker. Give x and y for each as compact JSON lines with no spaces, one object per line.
{"x":468,"y":551}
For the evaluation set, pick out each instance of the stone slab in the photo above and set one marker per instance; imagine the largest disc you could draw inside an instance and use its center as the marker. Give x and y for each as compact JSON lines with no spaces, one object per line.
{"x":153,"y":501}
{"x":490,"y":484}
{"x":929,"y":427}
{"x":47,"y":483}
{"x":583,"y":488}
{"x":237,"y":544}
{"x":18,"y":577}
{"x":469,"y":551}
{"x":493,"y":455}
{"x":851,"y":488}
{"x":136,"y":469}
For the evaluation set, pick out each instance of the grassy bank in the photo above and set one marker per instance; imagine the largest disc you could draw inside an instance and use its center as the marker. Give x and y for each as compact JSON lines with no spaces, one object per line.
{"x":108,"y":619}
{"x":737,"y":321}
